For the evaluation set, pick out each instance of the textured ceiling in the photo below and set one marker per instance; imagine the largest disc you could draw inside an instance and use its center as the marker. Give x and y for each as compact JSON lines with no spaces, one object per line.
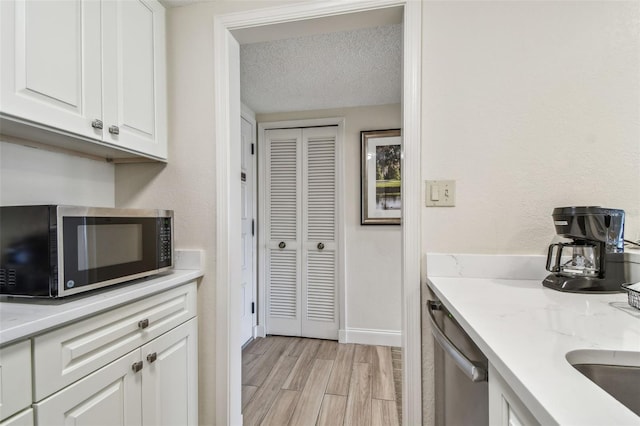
{"x":341,"y":69}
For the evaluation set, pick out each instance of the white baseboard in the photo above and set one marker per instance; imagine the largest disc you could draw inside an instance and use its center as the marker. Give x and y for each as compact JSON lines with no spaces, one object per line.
{"x":366,"y":336}
{"x":259,"y":331}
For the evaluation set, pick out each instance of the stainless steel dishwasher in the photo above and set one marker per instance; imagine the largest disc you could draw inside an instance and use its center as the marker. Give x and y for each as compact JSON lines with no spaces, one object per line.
{"x":460,"y":370}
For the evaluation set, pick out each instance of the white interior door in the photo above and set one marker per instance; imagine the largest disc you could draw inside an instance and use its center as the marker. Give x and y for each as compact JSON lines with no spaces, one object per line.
{"x":301,"y":222}
{"x":247,"y":189}
{"x":319,"y":254}
{"x":283,"y":211}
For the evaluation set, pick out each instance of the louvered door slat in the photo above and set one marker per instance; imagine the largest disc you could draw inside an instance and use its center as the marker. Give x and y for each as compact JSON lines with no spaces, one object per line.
{"x":321,"y":188}
{"x":321,"y":289}
{"x":283,"y":187}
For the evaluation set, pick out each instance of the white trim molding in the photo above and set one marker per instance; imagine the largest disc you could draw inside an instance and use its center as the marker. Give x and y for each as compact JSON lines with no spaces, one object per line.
{"x":227,"y":119}
{"x":365,"y":336}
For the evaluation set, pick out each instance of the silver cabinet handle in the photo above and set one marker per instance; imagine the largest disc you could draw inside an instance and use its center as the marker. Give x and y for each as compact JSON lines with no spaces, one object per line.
{"x":152,"y":357}
{"x":320,"y":246}
{"x":143,"y":324}
{"x":114,"y":130}
{"x":472,"y":371}
{"x":96,"y":124}
{"x":137,"y":366}
{"x":282,"y":244}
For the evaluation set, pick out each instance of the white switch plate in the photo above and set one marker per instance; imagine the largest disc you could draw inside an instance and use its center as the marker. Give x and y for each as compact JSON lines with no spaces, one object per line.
{"x":440,"y":193}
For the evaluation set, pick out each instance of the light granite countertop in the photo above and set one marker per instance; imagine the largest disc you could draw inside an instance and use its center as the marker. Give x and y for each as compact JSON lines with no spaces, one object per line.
{"x":526,"y":332}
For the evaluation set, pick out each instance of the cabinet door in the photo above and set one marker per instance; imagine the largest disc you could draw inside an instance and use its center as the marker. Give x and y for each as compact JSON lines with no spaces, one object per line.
{"x":134,"y":78}
{"x":25,"y":418}
{"x":110,"y":396}
{"x":51,"y":66}
{"x":169,"y":378}
{"x":15,"y":378}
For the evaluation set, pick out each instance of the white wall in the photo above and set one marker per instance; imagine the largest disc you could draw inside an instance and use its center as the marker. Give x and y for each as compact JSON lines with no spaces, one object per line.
{"x":529,"y":106}
{"x":373,"y":258}
{"x":35,"y":176}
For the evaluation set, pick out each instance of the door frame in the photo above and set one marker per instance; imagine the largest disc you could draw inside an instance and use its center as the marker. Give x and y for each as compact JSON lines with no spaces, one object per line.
{"x":227,"y":162}
{"x":340,"y":216}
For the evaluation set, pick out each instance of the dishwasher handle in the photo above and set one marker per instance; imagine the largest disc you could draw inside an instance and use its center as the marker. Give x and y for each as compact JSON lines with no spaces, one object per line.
{"x":471,"y":370}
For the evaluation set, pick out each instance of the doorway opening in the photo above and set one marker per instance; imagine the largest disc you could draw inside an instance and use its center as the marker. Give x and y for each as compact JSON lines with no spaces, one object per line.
{"x":226,"y":62}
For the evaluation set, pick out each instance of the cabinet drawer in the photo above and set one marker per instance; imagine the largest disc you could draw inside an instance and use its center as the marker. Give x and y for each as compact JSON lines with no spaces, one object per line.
{"x":15,"y":378}
{"x":65,"y":355}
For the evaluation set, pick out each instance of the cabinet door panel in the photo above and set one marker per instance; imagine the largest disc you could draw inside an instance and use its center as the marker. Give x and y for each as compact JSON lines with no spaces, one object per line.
{"x":169,"y":381}
{"x":15,"y":378}
{"x":135,"y":86}
{"x":24,"y":418}
{"x":69,"y":353}
{"x":51,"y":63}
{"x":110,"y":396}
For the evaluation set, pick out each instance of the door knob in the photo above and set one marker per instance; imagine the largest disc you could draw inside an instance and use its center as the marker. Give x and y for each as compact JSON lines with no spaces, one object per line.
{"x":137,"y":366}
{"x":320,"y":246}
{"x":152,"y":357}
{"x":282,"y":244}
{"x":96,"y":124}
{"x":114,"y":130}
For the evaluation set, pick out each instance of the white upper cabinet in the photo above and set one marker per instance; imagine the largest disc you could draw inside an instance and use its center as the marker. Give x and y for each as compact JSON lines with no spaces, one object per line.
{"x":134,"y":82}
{"x":87,"y":68}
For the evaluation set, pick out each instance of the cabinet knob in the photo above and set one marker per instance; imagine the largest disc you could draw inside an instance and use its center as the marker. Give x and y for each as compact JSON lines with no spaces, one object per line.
{"x":114,"y":130}
{"x":320,"y":246}
{"x":152,"y":357}
{"x":282,"y":244}
{"x":137,"y":366}
{"x":143,"y":324}
{"x":96,"y":124}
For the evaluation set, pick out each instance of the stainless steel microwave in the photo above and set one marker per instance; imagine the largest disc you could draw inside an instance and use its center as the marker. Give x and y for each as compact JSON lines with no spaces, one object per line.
{"x":55,"y":251}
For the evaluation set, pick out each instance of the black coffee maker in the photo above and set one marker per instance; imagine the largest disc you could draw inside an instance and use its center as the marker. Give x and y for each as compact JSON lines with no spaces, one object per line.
{"x":593,"y":262}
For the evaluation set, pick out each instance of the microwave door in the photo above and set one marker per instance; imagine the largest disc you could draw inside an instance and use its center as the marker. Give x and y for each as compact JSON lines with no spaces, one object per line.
{"x":100,"y":251}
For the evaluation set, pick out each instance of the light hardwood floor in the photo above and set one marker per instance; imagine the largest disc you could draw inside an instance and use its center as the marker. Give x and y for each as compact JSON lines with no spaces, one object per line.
{"x":299,"y":382}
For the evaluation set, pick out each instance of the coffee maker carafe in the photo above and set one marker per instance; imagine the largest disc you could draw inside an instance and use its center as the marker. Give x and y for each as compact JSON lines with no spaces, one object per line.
{"x":593,"y":261}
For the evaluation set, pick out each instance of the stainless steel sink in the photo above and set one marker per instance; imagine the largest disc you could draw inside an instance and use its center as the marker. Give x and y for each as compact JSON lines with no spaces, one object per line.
{"x":616,"y":373}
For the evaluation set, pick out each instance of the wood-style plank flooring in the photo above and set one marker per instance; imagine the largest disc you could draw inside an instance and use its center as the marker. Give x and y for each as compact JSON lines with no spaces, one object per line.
{"x":299,"y":382}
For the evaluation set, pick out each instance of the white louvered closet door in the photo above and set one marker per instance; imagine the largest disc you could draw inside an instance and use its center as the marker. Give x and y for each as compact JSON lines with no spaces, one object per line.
{"x":301,"y":224}
{"x":283,"y":211}
{"x":319,"y":254}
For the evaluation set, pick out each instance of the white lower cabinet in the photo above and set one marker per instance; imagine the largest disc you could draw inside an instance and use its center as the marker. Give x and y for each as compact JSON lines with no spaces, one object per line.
{"x":136,"y":364}
{"x":15,"y":378}
{"x":505,"y":408}
{"x":153,"y":385}
{"x":170,"y":378}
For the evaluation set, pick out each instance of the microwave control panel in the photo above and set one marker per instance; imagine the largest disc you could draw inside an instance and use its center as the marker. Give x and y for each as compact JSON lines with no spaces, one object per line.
{"x":165,"y":239}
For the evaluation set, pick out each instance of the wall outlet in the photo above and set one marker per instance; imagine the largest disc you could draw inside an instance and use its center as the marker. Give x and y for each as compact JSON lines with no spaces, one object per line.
{"x":440,"y":193}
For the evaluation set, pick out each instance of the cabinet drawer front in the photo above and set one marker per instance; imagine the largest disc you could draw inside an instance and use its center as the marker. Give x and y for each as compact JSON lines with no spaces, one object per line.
{"x":70,"y":353}
{"x":15,"y":378}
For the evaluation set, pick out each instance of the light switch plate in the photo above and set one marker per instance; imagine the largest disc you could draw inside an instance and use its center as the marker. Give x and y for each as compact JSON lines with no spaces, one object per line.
{"x":440,"y":193}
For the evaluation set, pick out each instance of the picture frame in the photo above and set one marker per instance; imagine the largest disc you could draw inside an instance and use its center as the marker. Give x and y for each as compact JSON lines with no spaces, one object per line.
{"x":380,"y":177}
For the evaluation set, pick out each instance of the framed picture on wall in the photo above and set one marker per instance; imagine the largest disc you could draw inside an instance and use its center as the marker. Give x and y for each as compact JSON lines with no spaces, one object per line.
{"x":380,"y":180}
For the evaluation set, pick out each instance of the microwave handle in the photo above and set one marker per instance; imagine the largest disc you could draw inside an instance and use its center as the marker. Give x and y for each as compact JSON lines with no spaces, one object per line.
{"x":474,"y":372}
